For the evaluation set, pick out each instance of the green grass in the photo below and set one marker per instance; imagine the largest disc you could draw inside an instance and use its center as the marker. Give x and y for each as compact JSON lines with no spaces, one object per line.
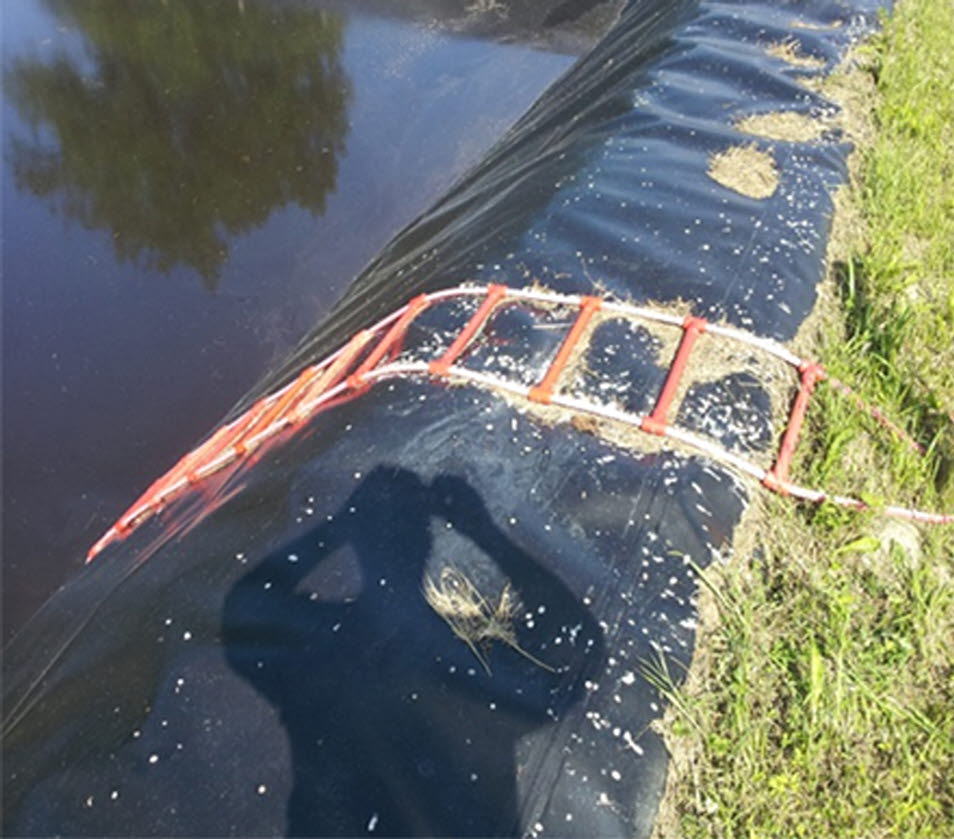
{"x":821,"y":702}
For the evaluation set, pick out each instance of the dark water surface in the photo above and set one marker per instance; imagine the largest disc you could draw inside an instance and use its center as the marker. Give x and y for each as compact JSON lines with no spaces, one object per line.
{"x":188,"y":187}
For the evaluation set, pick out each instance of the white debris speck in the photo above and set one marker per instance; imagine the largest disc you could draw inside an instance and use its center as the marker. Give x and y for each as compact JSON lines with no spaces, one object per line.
{"x":293,"y":557}
{"x":114,"y":795}
{"x":628,"y":678}
{"x":372,"y":823}
{"x":631,"y":743}
{"x":89,"y":801}
{"x":153,"y":758}
{"x":187,"y":636}
{"x":261,"y":789}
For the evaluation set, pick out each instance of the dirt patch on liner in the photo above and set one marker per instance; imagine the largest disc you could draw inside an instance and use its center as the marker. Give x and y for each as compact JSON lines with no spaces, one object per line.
{"x":789,"y":126}
{"x":745,"y":169}
{"x":789,"y":51}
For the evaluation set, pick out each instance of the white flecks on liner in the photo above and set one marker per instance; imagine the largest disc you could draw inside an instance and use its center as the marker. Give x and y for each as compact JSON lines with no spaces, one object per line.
{"x":631,"y":743}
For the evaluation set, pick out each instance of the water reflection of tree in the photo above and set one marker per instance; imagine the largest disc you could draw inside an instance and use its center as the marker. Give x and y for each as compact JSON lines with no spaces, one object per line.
{"x":184,"y":122}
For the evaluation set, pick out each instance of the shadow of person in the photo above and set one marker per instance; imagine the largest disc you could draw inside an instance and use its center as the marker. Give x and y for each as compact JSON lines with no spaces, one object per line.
{"x":394,"y":724}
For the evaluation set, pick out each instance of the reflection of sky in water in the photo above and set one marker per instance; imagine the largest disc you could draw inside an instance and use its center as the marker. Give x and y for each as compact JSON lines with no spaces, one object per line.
{"x":113,"y":368}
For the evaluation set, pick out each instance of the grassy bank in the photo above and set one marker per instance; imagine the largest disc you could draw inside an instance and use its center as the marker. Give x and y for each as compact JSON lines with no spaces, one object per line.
{"x":821,"y":701}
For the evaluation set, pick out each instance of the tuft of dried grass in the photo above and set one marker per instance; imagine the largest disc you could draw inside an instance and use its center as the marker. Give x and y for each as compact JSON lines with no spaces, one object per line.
{"x":473,"y":618}
{"x":815,"y":27}
{"x":745,"y":169}
{"x":790,"y":52}
{"x":788,"y":126}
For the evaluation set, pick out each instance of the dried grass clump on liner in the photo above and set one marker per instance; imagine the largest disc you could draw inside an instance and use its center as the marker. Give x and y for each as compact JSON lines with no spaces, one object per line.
{"x":790,"y":52}
{"x":477,"y":621}
{"x":745,"y":169}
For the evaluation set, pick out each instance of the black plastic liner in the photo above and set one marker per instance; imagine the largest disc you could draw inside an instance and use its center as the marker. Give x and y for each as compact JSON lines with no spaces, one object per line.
{"x":604,"y":181}
{"x":263,"y":659}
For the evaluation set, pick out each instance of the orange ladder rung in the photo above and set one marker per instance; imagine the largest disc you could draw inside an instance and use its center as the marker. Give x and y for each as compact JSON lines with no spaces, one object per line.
{"x":442,"y":365}
{"x":692,"y":328}
{"x":543,"y":392}
{"x":776,"y":478}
